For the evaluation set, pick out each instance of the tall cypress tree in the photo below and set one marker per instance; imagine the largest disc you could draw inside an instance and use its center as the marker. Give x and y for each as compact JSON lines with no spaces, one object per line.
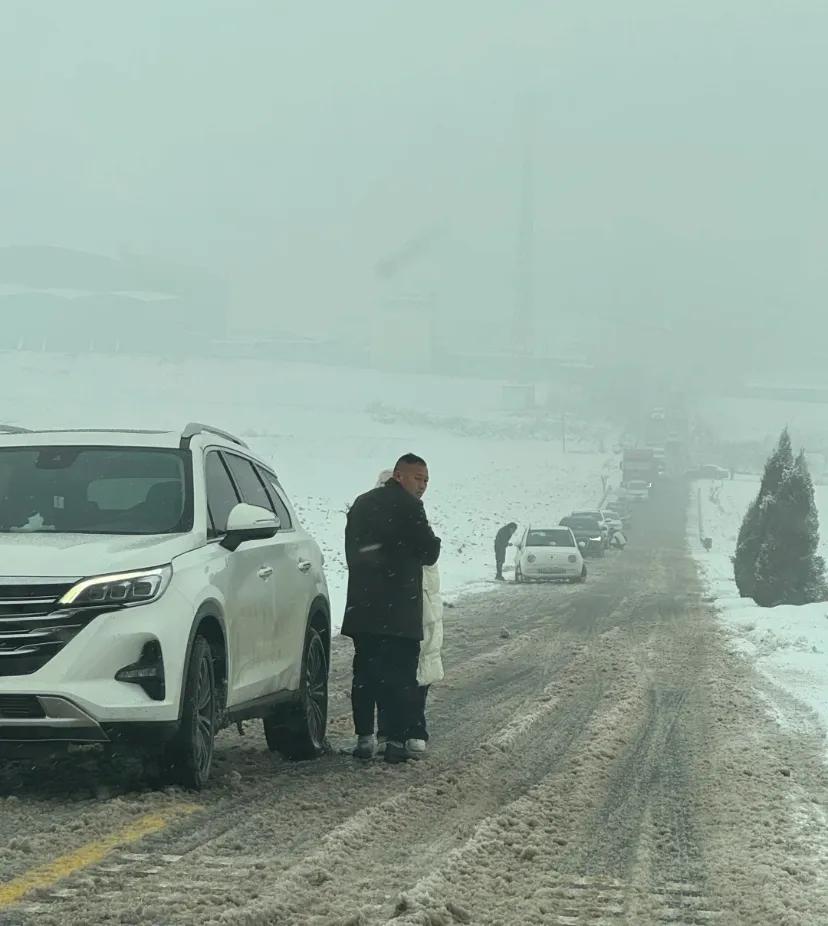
{"x":788,"y":568}
{"x":747,"y":549}
{"x":749,"y":541}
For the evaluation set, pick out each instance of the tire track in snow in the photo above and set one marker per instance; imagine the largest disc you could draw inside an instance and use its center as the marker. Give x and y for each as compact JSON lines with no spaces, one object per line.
{"x":431,"y":816}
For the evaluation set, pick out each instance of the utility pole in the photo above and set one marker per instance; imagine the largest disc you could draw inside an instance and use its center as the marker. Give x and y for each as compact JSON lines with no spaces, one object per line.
{"x":524,"y":290}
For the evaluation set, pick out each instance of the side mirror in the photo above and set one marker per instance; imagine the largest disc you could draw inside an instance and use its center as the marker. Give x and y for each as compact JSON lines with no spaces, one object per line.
{"x":249,"y":522}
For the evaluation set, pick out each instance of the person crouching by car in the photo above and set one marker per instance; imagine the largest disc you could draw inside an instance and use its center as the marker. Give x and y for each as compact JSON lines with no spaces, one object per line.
{"x":388,"y":541}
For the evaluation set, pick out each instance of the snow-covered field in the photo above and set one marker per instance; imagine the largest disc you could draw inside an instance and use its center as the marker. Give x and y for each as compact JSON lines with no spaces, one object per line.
{"x":787,"y":644}
{"x":329,"y":431}
{"x":763,"y":419}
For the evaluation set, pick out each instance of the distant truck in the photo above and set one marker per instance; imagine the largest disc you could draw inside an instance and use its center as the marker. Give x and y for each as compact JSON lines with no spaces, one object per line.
{"x":676,"y":459}
{"x":639,"y":464}
{"x":660,"y":457}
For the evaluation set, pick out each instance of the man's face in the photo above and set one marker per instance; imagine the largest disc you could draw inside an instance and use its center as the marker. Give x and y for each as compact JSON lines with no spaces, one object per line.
{"x":413,"y":478}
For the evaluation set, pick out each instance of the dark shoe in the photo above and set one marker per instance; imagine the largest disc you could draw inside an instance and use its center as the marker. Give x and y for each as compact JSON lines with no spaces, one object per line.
{"x":396,"y":753}
{"x":366,"y":748}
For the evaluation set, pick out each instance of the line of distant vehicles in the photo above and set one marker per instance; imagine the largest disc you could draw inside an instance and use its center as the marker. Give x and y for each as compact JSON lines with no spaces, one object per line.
{"x":664,"y":451}
{"x":559,"y":552}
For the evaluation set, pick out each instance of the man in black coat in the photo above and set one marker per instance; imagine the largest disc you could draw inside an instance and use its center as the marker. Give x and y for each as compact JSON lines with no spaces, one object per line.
{"x":502,"y":539}
{"x":388,"y":540}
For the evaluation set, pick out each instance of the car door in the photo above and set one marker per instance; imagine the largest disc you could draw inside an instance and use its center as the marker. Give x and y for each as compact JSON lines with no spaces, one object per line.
{"x":246,"y":586}
{"x":300,"y":565}
{"x":282,"y":635}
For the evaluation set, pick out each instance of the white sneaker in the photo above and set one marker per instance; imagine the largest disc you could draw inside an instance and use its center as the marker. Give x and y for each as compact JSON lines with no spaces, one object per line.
{"x":381,"y":741}
{"x":416,"y":747}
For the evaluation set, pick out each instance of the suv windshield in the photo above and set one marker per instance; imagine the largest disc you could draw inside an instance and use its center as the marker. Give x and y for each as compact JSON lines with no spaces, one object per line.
{"x":550,"y":538}
{"x":583,"y":524}
{"x":94,"y":490}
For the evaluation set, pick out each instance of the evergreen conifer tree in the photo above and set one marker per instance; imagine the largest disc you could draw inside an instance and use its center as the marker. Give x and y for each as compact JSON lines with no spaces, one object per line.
{"x":749,"y":541}
{"x":788,"y":568}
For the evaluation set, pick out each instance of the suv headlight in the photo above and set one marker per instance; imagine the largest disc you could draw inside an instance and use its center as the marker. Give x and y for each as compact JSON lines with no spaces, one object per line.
{"x":122,"y":588}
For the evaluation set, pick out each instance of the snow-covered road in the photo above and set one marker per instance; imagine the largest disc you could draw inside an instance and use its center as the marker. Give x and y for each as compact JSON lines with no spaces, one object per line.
{"x":599,"y":756}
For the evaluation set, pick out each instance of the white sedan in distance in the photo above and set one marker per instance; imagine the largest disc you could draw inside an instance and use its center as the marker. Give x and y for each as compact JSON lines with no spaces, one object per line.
{"x":549,"y":553}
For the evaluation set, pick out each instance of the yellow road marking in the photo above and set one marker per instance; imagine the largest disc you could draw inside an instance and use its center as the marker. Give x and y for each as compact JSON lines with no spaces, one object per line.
{"x":93,"y":852}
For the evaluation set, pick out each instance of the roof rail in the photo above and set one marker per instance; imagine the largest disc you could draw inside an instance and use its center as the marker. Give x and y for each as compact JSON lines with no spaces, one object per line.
{"x":13,"y":429}
{"x":194,"y":428}
{"x":92,"y":431}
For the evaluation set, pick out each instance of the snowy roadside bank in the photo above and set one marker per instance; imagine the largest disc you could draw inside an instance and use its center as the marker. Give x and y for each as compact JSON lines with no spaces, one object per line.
{"x":787,"y":644}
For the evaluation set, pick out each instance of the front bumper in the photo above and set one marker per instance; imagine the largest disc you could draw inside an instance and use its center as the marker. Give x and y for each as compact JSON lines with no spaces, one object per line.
{"x":535,"y":572}
{"x":45,"y":719}
{"x":76,"y":690}
{"x":46,"y":724}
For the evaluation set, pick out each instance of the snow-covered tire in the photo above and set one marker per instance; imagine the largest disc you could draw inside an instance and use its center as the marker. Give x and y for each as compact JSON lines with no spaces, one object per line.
{"x":298,"y":731}
{"x":188,"y":757}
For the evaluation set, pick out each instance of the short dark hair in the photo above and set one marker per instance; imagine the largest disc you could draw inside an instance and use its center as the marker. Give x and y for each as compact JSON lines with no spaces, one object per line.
{"x":409,"y":459}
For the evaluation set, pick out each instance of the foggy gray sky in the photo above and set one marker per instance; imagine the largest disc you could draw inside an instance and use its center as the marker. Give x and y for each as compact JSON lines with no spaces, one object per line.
{"x":680,"y":147}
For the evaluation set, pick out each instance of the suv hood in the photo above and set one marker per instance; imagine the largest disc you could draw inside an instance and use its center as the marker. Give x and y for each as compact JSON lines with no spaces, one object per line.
{"x":79,"y":555}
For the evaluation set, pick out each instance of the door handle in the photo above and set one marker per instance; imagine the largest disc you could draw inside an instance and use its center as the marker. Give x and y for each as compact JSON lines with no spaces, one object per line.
{"x":265,"y":572}
{"x":303,"y":565}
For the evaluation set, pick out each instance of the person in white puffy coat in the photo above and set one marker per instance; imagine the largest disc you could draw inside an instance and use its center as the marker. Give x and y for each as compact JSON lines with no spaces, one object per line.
{"x":430,"y":665}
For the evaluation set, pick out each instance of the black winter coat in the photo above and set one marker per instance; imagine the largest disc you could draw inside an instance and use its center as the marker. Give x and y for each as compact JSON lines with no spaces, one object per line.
{"x":502,"y":538}
{"x":388,"y":540}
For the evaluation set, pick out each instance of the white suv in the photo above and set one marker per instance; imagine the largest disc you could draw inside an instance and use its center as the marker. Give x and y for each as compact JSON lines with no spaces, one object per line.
{"x":155,"y":587}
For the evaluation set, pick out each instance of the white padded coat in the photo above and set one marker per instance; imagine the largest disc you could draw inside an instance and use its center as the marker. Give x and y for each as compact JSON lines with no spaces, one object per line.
{"x":430,"y":667}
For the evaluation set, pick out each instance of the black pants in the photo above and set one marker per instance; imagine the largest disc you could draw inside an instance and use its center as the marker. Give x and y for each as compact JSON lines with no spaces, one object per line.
{"x":500,"y":559}
{"x":419,"y":731}
{"x":385,"y":674}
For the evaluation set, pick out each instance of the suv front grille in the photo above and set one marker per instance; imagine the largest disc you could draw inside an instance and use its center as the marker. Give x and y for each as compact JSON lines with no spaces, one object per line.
{"x":32,"y":631}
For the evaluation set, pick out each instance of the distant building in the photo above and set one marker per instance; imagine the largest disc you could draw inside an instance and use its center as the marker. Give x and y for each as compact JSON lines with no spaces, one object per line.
{"x":56,"y":299}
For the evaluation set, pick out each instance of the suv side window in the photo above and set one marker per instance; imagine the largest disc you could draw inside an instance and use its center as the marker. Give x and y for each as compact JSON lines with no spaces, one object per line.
{"x":250,"y":486}
{"x":221,"y":493}
{"x":277,"y":503}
